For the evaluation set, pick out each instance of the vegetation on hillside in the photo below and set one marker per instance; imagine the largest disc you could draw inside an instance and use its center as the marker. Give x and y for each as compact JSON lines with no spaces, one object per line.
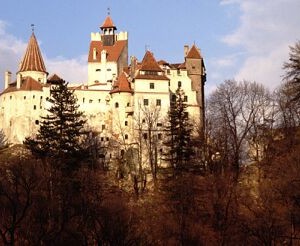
{"x":247,"y":192}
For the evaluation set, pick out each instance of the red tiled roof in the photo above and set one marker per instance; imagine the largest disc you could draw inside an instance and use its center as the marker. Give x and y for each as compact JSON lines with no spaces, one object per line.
{"x":149,"y":63}
{"x":122,"y":84}
{"x":27,"y":84}
{"x":113,"y":52}
{"x":30,"y":84}
{"x":193,"y":53}
{"x":32,"y":60}
{"x":54,"y":77}
{"x":182,"y":66}
{"x":108,"y":23}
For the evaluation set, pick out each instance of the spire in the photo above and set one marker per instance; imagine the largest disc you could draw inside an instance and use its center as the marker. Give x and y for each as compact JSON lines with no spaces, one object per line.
{"x":32,"y":60}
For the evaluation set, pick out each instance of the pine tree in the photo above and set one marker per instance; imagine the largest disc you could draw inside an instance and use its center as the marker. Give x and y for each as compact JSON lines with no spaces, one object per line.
{"x":60,"y":134}
{"x":178,"y":133}
{"x":292,"y":71}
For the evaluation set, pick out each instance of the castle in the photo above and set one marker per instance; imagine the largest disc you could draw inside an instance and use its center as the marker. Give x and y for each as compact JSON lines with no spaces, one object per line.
{"x":118,"y":97}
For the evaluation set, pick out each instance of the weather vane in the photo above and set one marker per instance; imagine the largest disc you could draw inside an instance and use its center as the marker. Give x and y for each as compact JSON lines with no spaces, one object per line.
{"x":32,"y":27}
{"x":108,"y":11}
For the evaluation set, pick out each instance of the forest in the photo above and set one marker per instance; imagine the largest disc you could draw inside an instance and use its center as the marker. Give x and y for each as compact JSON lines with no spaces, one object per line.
{"x":233,"y":181}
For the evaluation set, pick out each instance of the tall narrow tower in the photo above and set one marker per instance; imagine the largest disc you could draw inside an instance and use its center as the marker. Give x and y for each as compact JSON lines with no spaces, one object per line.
{"x":196,"y":71}
{"x":108,"y":54}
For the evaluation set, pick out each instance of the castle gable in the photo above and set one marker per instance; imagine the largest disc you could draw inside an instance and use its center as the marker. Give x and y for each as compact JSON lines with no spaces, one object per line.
{"x":113,"y":52}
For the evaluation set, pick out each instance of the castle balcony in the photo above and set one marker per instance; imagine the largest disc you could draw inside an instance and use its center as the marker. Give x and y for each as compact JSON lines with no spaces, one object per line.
{"x":129,"y":110}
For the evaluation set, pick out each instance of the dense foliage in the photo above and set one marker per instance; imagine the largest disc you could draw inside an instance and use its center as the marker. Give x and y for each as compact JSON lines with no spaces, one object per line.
{"x":60,"y":135}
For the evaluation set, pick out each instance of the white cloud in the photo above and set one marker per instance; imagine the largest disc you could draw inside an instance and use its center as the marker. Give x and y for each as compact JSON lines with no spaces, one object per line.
{"x":72,"y":70}
{"x":265,"y":31}
{"x":12,"y":49}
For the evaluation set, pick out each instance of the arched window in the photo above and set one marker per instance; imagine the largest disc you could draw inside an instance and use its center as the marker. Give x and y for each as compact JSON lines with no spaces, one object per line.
{"x":116,"y":105}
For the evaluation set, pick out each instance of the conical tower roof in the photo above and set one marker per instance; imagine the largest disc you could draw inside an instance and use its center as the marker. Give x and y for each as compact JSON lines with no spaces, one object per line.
{"x":32,"y":60}
{"x":108,"y":23}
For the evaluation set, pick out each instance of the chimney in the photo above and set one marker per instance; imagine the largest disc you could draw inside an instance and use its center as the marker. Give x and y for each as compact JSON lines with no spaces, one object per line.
{"x":133,"y":63}
{"x":103,"y":56}
{"x":7,"y":79}
{"x":186,"y":50}
{"x":19,"y":79}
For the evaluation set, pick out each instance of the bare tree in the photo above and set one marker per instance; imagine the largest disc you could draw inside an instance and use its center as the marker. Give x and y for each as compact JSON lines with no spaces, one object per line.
{"x":234,"y":110}
{"x":17,"y":185}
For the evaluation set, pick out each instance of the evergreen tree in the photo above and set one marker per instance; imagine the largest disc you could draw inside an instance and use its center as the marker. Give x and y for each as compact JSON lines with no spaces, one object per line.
{"x":292,"y":69}
{"x":60,"y":134}
{"x":178,"y":132}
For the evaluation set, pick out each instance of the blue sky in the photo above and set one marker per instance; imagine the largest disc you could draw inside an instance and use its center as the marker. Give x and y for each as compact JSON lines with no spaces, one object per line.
{"x":241,"y":39}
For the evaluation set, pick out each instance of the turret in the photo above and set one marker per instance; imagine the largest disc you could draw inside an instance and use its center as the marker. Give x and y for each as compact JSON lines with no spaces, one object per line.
{"x":32,"y":63}
{"x":108,"y":32}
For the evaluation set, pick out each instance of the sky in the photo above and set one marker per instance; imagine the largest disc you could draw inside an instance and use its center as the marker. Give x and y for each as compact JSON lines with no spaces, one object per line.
{"x":238,"y":39}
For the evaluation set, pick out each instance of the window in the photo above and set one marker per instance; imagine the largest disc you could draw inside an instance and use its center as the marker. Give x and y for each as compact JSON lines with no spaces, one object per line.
{"x":173,"y":98}
{"x":158,"y":102}
{"x":146,"y":102}
{"x":128,"y":104}
{"x":107,"y":139}
{"x":143,"y":121}
{"x":178,"y":72}
{"x":126,"y":123}
{"x":151,"y":85}
{"x":108,"y":69}
{"x":159,"y":124}
{"x":99,"y":100}
{"x":24,"y":97}
{"x":34,"y":107}
{"x":126,"y":136}
{"x":90,"y":101}
{"x":41,"y":97}
{"x":116,"y":105}
{"x":159,"y":136}
{"x":193,"y":67}
{"x":145,"y":136}
{"x":179,"y":83}
{"x":168,"y":71}
{"x":37,"y":122}
{"x":185,"y":99}
{"x":169,"y":83}
{"x":33,"y":96}
{"x":10,"y":97}
{"x":102,"y":139}
{"x":103,"y":127}
{"x":83,"y":99}
{"x":98,"y":70}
